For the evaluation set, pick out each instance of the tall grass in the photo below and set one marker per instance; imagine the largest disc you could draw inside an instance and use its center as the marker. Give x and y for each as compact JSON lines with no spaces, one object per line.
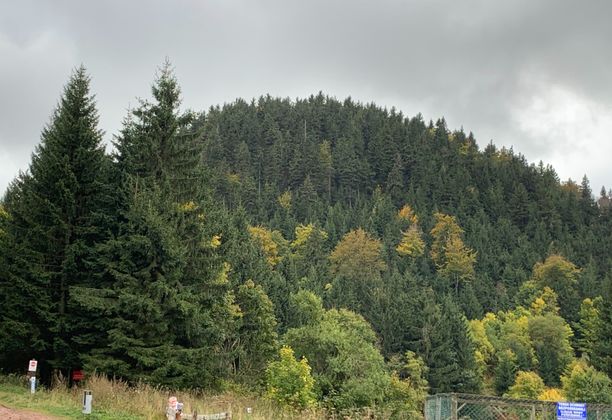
{"x":115,"y":399}
{"x":149,"y":402}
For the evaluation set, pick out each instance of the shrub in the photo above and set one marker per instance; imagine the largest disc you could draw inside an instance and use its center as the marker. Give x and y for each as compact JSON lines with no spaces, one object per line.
{"x":289,"y":381}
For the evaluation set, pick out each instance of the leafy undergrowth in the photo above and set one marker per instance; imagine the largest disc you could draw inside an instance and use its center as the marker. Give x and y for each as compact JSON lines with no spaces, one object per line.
{"x":116,"y":400}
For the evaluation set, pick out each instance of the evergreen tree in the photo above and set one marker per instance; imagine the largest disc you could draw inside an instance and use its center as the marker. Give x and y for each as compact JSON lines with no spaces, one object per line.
{"x":395,"y":180}
{"x":257,"y":329}
{"x":465,"y":377}
{"x":586,"y":328}
{"x":505,"y":371}
{"x":56,"y":216}
{"x":602,"y":349}
{"x":170,"y":306}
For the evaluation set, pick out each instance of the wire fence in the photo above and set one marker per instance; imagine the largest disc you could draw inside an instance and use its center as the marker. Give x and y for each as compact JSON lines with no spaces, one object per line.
{"x":480,"y":407}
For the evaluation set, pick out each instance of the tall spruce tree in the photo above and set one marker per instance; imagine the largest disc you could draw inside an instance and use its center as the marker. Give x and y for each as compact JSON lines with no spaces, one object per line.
{"x":602,"y":351}
{"x":170,"y":306}
{"x":55,"y":218}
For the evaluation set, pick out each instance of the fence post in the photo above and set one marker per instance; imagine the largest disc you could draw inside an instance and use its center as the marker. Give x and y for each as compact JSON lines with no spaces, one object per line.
{"x":454,"y":414}
{"x":438,"y":408}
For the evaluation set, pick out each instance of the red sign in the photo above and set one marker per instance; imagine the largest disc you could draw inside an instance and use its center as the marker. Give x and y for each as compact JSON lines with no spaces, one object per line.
{"x":78,"y":375}
{"x":33,"y":365}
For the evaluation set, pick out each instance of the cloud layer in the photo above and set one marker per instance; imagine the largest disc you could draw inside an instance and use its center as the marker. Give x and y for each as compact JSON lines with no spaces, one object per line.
{"x":532,"y":75}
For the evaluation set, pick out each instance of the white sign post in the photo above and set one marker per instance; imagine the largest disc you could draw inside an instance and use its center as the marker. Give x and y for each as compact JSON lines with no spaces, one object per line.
{"x":87,"y":400}
{"x":32,"y":366}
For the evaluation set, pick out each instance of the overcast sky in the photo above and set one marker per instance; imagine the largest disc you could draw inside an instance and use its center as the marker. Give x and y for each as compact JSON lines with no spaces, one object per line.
{"x":534,"y":75}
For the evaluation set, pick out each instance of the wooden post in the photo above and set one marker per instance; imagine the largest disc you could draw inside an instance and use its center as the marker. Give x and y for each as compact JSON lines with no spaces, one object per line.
{"x":454,"y":414}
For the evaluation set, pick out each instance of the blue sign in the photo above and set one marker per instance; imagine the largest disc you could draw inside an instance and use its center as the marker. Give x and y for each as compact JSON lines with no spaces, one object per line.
{"x":571,"y":411}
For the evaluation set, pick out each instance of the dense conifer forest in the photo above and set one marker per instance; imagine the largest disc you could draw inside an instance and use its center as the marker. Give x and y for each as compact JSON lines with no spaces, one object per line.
{"x":322,"y":251}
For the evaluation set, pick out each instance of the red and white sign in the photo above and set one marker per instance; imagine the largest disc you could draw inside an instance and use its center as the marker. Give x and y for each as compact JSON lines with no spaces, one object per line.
{"x":33,"y":365}
{"x":78,"y":375}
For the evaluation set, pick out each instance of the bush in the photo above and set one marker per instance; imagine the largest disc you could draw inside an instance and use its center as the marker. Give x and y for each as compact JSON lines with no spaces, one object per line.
{"x":289,"y":382}
{"x":527,"y":385}
{"x":582,"y":382}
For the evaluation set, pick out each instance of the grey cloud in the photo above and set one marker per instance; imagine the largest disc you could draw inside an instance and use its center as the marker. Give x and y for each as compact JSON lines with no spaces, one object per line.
{"x":467,"y":61}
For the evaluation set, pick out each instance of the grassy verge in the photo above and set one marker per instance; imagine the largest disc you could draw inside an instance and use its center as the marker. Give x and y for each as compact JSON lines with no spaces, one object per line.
{"x":115,"y":400}
{"x":57,"y":402}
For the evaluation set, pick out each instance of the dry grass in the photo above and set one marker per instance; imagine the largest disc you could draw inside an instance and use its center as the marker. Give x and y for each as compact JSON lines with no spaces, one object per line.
{"x":115,"y":399}
{"x":148,"y":402}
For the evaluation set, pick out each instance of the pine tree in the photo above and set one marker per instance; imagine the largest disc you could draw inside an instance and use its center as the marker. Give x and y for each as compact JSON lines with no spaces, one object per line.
{"x":467,"y":379}
{"x":257,"y":329}
{"x":160,"y":145}
{"x":586,"y":327}
{"x":170,"y":306}
{"x":56,"y":218}
{"x":505,"y":371}
{"x":602,"y":349}
{"x":395,"y":180}
{"x":437,"y":349}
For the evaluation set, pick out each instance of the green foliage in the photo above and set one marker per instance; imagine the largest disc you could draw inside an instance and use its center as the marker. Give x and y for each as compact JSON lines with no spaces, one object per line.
{"x":586,"y":328}
{"x":602,"y":349}
{"x":462,"y":374}
{"x":505,"y":371}
{"x":55,"y":216}
{"x":289,"y":381}
{"x":551,"y":335}
{"x":310,"y":255}
{"x":484,"y":349}
{"x":305,"y":308}
{"x":561,"y":276}
{"x":257,"y":334}
{"x":408,"y":388}
{"x":347,"y":365}
{"x":165,"y":296}
{"x":584,"y":383}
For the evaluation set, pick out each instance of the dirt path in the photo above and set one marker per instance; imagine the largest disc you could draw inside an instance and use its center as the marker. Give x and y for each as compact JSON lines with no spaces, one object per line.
{"x":7,"y":413}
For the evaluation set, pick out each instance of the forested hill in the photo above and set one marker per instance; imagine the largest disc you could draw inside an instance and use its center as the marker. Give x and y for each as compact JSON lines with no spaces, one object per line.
{"x":344,"y":165}
{"x":392,"y":253}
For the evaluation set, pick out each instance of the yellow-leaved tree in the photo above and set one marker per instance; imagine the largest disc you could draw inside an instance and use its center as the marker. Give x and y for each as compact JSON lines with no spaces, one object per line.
{"x":271,"y":242}
{"x":289,"y":381}
{"x":306,"y":233}
{"x":357,"y":255}
{"x":551,"y":394}
{"x":453,"y":259}
{"x":560,"y":275}
{"x":356,"y":264}
{"x":411,"y":244}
